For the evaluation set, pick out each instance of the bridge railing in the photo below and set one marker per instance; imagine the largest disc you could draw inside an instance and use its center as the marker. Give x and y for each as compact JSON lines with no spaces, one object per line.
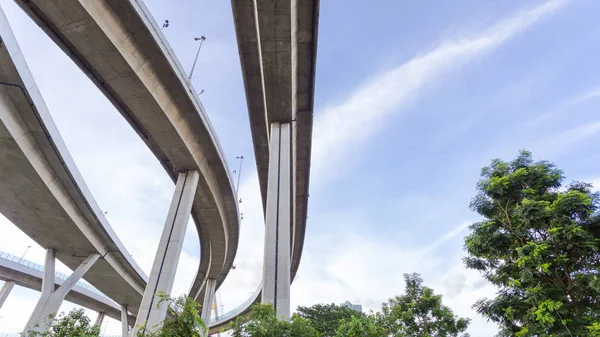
{"x":237,"y":310}
{"x":27,"y":263}
{"x":224,"y":317}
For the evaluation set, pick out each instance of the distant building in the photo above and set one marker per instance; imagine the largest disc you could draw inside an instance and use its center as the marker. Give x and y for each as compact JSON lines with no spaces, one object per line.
{"x":356,"y":307}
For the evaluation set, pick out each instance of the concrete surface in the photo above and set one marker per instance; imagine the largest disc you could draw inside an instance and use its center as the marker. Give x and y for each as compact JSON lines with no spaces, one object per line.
{"x":278,"y":58}
{"x":262,"y":51}
{"x":5,"y":291}
{"x":26,"y":276}
{"x":122,"y":50}
{"x":152,"y":311}
{"x":209,"y":301}
{"x":43,"y":193}
{"x":51,"y":298}
{"x":276,"y":266}
{"x":100,"y":319}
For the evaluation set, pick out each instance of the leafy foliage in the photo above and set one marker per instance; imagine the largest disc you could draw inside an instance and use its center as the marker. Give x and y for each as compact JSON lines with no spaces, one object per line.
{"x":326,"y":318}
{"x":417,"y":313}
{"x":361,"y":326}
{"x":264,"y":323}
{"x":183,"y":321}
{"x":420,"y":313}
{"x":539,"y":243}
{"x":73,"y":324}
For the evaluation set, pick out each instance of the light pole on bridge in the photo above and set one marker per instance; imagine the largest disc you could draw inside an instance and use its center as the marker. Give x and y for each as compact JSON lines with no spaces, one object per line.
{"x":201,"y":39}
{"x":23,"y":256}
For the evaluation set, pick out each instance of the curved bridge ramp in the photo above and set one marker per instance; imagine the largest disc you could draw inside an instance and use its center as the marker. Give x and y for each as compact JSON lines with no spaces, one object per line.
{"x":43,"y":193}
{"x":29,"y":275}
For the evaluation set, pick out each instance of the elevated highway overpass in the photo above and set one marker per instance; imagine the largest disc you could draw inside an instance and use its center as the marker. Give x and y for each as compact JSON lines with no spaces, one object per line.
{"x":119,"y":46}
{"x":44,"y":195}
{"x":121,"y":49}
{"x":277,"y":42}
{"x":24,"y":273}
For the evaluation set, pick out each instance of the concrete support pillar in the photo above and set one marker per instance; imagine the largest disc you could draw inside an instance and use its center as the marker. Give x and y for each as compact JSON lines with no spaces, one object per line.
{"x":151,"y":313}
{"x":100,"y":319}
{"x":124,"y":321}
{"x":276,"y":267}
{"x":50,"y":299}
{"x":218,"y":334}
{"x":5,"y":291}
{"x":209,"y":300}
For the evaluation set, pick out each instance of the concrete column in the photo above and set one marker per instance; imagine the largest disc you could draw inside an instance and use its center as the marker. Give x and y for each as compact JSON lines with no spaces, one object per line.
{"x":276,"y":267}
{"x":218,"y":334}
{"x":5,"y":291}
{"x":124,"y":321}
{"x":209,"y":300}
{"x":163,"y":271}
{"x":50,"y":299}
{"x":49,"y":272}
{"x":100,"y":319}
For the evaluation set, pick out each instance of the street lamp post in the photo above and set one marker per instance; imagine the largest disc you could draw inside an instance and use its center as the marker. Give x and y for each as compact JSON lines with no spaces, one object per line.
{"x":237,"y":187}
{"x":26,"y":249}
{"x":201,"y":39}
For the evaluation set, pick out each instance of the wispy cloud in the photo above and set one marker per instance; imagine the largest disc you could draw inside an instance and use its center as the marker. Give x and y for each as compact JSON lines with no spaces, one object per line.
{"x":558,"y":143}
{"x":339,"y":129}
{"x":564,"y":107}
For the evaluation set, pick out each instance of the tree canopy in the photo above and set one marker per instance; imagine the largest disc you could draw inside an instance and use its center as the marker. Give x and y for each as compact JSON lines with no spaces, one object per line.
{"x":361,"y":326}
{"x":326,"y":318}
{"x":416,"y":313}
{"x":420,"y":313}
{"x":539,"y":243}
{"x":263,"y":322}
{"x":73,"y":324}
{"x":183,"y":319}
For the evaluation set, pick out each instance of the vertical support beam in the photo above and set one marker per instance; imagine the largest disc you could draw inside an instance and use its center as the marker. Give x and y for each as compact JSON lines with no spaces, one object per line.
{"x":151,"y":313}
{"x":276,"y":268}
{"x":124,"y":321}
{"x":50,"y":299}
{"x":5,"y":291}
{"x":100,"y":319}
{"x":209,"y":300}
{"x":49,"y":272}
{"x":216,"y":311}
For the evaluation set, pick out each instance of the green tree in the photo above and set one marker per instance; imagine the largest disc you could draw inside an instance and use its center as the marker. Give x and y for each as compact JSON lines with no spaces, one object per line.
{"x":420,"y":313}
{"x":73,"y":324}
{"x":183,"y":319}
{"x":263,"y":322}
{"x":326,"y":318}
{"x":361,"y":326}
{"x":538,"y":242}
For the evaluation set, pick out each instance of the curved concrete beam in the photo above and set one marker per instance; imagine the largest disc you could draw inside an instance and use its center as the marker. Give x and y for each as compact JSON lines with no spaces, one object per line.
{"x":43,"y":193}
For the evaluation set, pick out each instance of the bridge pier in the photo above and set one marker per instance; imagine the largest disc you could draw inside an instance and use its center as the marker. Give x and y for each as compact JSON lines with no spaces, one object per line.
{"x":276,"y":268}
{"x":163,"y":271}
{"x":5,"y":291}
{"x":208,"y":301}
{"x":50,"y":299}
{"x":100,"y":319}
{"x":124,"y":321}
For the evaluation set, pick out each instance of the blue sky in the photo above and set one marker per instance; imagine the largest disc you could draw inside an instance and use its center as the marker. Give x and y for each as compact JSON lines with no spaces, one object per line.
{"x":412,"y":99}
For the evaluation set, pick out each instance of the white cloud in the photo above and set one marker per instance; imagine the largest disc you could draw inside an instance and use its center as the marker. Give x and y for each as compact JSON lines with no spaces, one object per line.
{"x":339,"y":129}
{"x":369,"y":270}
